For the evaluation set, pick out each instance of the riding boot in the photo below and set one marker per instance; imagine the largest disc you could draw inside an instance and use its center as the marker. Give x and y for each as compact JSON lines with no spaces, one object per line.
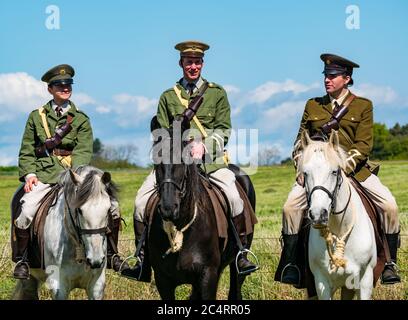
{"x":115,"y":262}
{"x":142,"y":271}
{"x":244,"y":265}
{"x":390,"y":272}
{"x":22,"y":268}
{"x":287,"y":271}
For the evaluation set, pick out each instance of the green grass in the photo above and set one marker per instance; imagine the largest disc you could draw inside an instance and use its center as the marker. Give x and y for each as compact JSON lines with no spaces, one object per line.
{"x":272,"y":185}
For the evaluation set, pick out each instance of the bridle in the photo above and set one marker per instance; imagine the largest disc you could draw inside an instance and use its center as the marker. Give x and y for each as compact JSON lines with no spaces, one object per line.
{"x":181,"y":187}
{"x":77,"y":224}
{"x":332,"y":195}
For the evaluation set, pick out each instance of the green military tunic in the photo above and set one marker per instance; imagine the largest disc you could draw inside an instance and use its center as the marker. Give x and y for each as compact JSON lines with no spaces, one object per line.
{"x":79,"y":140}
{"x":355,"y":135}
{"x":214,"y":114}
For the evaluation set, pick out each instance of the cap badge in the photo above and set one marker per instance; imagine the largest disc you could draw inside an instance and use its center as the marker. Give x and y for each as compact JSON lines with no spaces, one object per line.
{"x":62,"y":72}
{"x":328,"y":61}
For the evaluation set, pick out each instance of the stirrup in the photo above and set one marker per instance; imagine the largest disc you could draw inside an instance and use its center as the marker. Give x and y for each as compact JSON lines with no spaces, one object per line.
{"x":291,"y":265}
{"x":121,"y":265}
{"x":139,"y":262}
{"x":240,"y":253}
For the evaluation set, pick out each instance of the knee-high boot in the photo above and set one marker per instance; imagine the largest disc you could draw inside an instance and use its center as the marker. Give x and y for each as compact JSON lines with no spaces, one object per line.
{"x":142,"y":270}
{"x":22,"y":268}
{"x":288,"y":271}
{"x":244,"y":265}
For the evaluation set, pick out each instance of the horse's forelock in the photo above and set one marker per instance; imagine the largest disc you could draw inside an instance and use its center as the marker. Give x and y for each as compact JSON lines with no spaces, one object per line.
{"x":336,"y":157}
{"x":90,"y":187}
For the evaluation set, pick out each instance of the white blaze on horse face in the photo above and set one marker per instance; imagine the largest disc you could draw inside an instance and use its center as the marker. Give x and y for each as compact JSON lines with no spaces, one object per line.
{"x":319,"y":172}
{"x":94,"y":216}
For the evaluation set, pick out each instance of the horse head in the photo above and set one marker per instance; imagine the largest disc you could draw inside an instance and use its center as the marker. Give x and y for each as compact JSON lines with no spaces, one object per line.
{"x":87,"y":196}
{"x":321,"y":165}
{"x":172,"y":165}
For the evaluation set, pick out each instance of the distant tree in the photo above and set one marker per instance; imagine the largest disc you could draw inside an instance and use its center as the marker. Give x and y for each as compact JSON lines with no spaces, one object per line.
{"x":268,"y":156}
{"x":97,"y":147}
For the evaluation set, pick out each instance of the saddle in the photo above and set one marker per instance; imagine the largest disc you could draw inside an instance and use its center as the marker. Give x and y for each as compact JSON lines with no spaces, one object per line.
{"x":221,"y":207}
{"x":383,"y":253}
{"x":35,"y":253}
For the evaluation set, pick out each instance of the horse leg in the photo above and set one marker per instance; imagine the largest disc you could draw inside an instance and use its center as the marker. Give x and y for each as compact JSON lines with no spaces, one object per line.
{"x":347,"y":294}
{"x":166,"y":287}
{"x":366,"y":285}
{"x":324,"y":291}
{"x":209,"y":283}
{"x":96,"y":288}
{"x":236,"y":282}
{"x":26,"y":289}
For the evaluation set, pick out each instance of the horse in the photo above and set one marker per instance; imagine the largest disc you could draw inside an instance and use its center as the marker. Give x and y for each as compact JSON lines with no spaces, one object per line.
{"x":185,"y":211}
{"x":342,"y":246}
{"x":75,"y":241}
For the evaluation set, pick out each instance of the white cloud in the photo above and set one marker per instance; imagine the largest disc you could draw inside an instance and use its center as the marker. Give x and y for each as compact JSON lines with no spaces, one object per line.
{"x":20,"y":92}
{"x":230,"y":89}
{"x":82,"y":99}
{"x":102,"y":109}
{"x":269,"y":89}
{"x":6,"y":161}
{"x":380,"y":95}
{"x":133,"y":109}
{"x":285,"y":116}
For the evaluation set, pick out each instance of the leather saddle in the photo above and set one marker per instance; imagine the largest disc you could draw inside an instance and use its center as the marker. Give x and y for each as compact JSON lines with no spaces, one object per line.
{"x":221,"y":207}
{"x":35,"y":253}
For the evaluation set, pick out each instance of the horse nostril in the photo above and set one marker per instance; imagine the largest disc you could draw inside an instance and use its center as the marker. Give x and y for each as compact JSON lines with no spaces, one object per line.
{"x":324,"y":214}
{"x":311,"y":215}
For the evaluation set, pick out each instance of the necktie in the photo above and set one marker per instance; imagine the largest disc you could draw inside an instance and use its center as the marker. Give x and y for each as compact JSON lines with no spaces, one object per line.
{"x":58,"y":111}
{"x":336,"y":107}
{"x":190,"y":87}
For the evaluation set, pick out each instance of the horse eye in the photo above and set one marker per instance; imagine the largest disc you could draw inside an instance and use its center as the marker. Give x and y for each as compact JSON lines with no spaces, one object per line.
{"x":334,"y":172}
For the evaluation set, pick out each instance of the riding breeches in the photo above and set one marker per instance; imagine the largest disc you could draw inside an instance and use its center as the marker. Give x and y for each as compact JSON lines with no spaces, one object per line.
{"x":223,"y":178}
{"x":30,"y":203}
{"x":296,"y":206}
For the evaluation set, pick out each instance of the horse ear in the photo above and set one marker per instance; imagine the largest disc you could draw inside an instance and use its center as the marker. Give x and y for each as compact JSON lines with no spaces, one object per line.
{"x":334,"y":140}
{"x":154,"y":124}
{"x":305,"y":139}
{"x":106,"y":178}
{"x":76,"y":178}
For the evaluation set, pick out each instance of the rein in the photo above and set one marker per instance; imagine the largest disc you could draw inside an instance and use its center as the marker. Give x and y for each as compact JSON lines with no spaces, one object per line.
{"x":79,"y":250}
{"x":336,"y":256}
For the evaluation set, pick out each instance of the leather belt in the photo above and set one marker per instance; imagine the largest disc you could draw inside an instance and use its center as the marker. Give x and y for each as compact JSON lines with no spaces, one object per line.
{"x":62,"y":152}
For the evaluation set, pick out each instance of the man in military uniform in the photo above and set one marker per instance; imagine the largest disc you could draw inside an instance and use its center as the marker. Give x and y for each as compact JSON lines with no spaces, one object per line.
{"x":57,"y":136}
{"x":214,"y":116}
{"x":356,"y":137}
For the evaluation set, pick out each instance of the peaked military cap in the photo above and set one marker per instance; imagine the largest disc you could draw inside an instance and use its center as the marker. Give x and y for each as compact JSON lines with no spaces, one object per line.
{"x":192,"y":49}
{"x":61,"y":74}
{"x":334,"y":64}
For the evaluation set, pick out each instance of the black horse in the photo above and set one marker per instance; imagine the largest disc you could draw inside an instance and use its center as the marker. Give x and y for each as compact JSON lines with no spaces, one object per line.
{"x":202,"y":258}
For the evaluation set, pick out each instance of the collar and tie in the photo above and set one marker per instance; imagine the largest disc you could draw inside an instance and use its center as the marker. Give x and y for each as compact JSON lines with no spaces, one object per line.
{"x":58,"y":111}
{"x":190,"y":87}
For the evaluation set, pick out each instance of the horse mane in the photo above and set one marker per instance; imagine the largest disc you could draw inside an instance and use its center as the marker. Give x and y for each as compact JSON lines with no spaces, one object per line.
{"x":90,"y":187}
{"x":335,"y":156}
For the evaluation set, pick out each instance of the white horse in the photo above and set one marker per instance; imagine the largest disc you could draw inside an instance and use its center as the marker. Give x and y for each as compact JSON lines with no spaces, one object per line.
{"x":75,"y":241}
{"x":342,"y":247}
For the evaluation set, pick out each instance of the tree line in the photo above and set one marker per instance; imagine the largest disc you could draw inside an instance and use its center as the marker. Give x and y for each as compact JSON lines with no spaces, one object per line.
{"x":390,"y":144}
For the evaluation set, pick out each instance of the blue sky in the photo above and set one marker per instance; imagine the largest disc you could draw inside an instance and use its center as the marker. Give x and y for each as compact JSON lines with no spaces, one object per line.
{"x":265,"y":53}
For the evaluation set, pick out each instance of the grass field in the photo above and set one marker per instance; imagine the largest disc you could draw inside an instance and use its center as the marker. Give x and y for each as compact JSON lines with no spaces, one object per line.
{"x":272,"y":185}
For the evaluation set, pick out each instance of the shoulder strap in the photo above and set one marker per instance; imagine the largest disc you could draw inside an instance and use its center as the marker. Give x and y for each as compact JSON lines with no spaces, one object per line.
{"x":43,"y":116}
{"x":349,"y":100}
{"x":184,"y":102}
